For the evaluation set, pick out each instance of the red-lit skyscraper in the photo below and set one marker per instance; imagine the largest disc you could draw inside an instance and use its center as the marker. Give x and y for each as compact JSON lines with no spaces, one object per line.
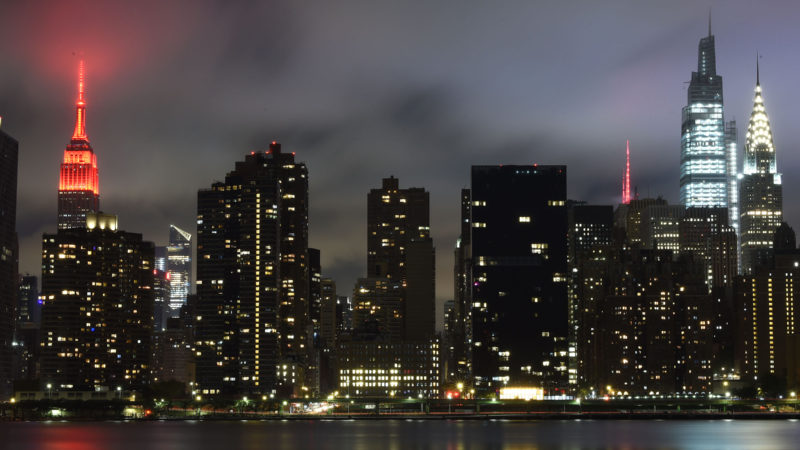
{"x":78,"y":186}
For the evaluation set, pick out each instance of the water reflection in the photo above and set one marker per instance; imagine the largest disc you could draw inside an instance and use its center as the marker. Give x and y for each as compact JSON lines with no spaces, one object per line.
{"x":401,"y":435}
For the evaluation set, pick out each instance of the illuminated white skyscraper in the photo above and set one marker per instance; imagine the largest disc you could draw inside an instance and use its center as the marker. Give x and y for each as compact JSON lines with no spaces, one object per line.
{"x":707,"y":165}
{"x":761,"y":192}
{"x":179,"y":268}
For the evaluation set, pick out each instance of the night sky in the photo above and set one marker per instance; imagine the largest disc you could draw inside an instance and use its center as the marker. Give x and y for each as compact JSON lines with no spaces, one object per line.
{"x":177,"y":92}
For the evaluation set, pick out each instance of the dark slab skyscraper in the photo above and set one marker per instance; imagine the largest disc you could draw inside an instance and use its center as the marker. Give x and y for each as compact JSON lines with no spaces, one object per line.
{"x":8,"y":256}
{"x":78,"y":186}
{"x":519,"y":276}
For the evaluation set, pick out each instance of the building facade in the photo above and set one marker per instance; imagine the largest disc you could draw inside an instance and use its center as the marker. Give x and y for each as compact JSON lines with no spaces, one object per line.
{"x":97,"y":312}
{"x":179,"y":267}
{"x":8,"y":257}
{"x":519,"y":276}
{"x":252,"y":276}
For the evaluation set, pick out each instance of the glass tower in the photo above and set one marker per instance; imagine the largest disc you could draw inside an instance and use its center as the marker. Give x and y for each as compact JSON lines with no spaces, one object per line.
{"x":179,"y":268}
{"x":705,"y":171}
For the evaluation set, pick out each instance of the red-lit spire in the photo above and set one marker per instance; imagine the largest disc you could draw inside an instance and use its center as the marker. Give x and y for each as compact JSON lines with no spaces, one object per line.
{"x":626,"y":179}
{"x":80,"y":120}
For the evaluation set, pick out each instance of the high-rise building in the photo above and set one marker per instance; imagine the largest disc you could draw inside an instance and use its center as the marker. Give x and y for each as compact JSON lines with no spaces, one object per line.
{"x":705,"y":178}
{"x":78,"y":186}
{"x":253,"y":275}
{"x":768,"y":302}
{"x":328,"y":319}
{"x":761,"y":192}
{"x":161,"y":309}
{"x":314,"y":292}
{"x":8,"y":257}
{"x":394,"y":217}
{"x":590,"y":239}
{"x":419,"y":305}
{"x":97,"y":312}
{"x":460,"y":362}
{"x":179,"y":267}
{"x":29,"y":308}
{"x":659,"y":224}
{"x":519,"y":275}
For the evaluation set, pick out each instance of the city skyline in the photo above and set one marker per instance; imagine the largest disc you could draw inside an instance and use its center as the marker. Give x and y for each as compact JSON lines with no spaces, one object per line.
{"x":409,"y":108}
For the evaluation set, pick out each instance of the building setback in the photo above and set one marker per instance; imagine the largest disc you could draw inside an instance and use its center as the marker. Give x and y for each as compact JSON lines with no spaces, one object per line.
{"x":8,"y":257}
{"x":97,"y":312}
{"x":519,"y":279}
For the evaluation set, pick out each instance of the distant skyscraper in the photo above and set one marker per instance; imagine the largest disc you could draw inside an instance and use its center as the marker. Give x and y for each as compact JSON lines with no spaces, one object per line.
{"x":761,"y":193}
{"x":626,"y":178}
{"x":97,"y":316}
{"x":8,"y":257}
{"x":28,"y":307}
{"x":179,"y":267}
{"x":253,"y":276}
{"x":460,"y":363}
{"x":705,"y":159}
{"x":394,"y":217}
{"x":78,"y":187}
{"x":399,"y":248}
{"x":519,"y":276}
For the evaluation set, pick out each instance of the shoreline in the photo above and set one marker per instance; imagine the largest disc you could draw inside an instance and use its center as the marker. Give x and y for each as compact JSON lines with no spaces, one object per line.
{"x":520,"y":417}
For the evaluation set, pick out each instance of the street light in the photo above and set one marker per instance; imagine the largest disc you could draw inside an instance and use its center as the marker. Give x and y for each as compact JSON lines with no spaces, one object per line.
{"x":49,"y":390}
{"x":119,"y":392}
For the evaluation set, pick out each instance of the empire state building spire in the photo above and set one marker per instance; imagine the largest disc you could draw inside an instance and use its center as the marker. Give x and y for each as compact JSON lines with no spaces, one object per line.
{"x":626,"y":179}
{"x":78,"y":185}
{"x":80,"y":120}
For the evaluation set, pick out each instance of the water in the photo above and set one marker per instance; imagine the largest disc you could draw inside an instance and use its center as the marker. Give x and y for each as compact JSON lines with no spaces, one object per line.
{"x":402,"y":435}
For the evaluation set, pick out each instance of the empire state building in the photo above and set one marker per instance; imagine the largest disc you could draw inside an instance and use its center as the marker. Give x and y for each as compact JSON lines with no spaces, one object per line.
{"x":78,"y":186}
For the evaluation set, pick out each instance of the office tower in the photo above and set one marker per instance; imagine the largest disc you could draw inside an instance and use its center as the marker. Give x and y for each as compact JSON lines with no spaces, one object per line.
{"x":519,"y":275}
{"x":78,"y":186}
{"x":161,"y":290}
{"x":378,"y":309}
{"x":314,"y":292}
{"x":253,"y":275}
{"x":394,"y":217}
{"x":344,"y":314}
{"x":328,"y":319}
{"x":731,"y":146}
{"x":179,"y":267}
{"x":26,"y":332}
{"x":28,"y":305}
{"x":590,"y":239}
{"x":768,"y":301}
{"x":8,"y":257}
{"x":97,"y":315}
{"x":761,"y":193}
{"x":462,"y":291}
{"x":420,"y":294}
{"x":705,"y":176}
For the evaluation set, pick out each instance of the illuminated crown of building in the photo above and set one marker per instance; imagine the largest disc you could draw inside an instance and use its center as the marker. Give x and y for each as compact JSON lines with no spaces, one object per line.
{"x":759,"y":156}
{"x":79,"y":169}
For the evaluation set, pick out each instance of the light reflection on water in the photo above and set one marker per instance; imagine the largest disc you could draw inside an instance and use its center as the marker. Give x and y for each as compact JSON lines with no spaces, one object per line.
{"x":401,"y":435}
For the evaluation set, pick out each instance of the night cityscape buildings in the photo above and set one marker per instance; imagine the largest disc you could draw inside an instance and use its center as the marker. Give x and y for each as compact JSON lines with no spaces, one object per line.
{"x":9,"y":149}
{"x":574,"y":300}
